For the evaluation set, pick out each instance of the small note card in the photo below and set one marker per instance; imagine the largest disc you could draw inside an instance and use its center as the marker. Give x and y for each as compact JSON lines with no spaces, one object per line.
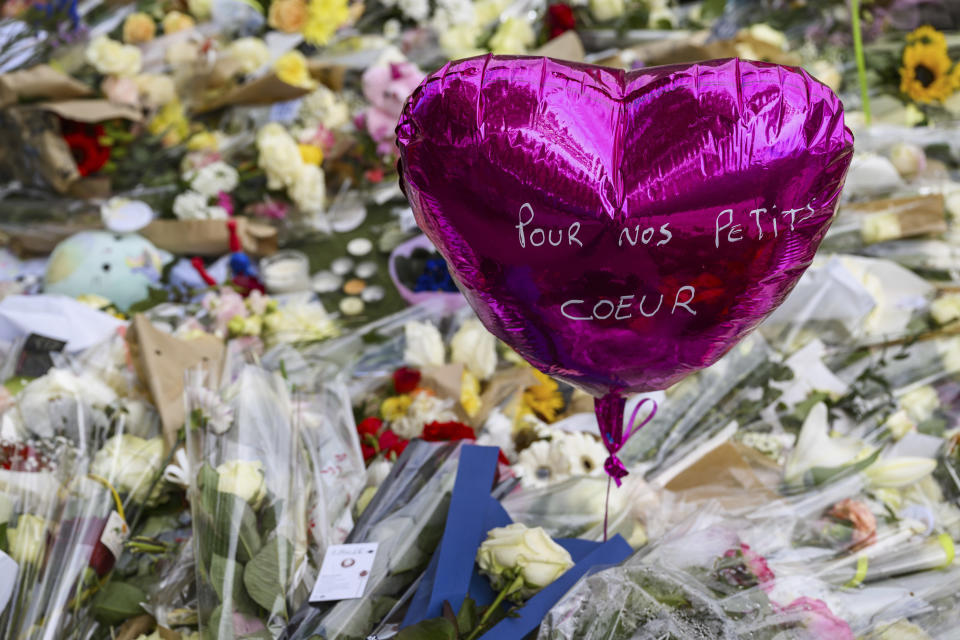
{"x":345,"y":571}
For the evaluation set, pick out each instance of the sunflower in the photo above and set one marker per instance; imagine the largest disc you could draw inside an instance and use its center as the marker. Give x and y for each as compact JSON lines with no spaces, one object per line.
{"x":927,"y":35}
{"x":925,"y":75}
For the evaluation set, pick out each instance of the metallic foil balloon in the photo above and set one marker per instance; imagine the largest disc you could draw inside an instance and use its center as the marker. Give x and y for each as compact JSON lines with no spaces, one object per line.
{"x":622,"y":230}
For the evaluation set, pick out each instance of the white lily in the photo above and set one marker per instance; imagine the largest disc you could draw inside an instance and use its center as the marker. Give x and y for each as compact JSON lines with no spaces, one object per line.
{"x":815,"y":448}
{"x":898,"y":472}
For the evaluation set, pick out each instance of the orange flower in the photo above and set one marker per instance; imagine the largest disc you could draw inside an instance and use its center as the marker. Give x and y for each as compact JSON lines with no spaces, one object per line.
{"x":138,"y":27}
{"x":861,"y":520}
{"x":288,"y":15}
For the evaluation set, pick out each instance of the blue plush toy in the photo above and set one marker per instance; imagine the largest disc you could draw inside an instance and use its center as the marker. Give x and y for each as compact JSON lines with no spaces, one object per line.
{"x":118,"y":267}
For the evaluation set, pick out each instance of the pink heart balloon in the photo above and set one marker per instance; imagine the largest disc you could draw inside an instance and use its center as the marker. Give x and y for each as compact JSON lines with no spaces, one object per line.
{"x":621,"y":230}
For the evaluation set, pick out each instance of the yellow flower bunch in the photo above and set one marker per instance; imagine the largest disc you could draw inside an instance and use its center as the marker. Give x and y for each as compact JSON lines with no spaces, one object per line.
{"x":544,"y":398}
{"x":395,"y":407}
{"x":928,"y":75}
{"x":470,"y":393}
{"x":171,"y":121}
{"x":292,"y":69}
{"x":324,"y":17}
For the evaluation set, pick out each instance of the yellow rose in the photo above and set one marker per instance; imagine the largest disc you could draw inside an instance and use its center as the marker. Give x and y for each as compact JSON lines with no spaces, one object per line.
{"x":182,"y":53}
{"x":395,"y":407}
{"x":138,"y":27}
{"x":203,"y":141}
{"x":470,"y":393}
{"x":176,"y":21}
{"x":278,"y":156}
{"x":243,"y":479}
{"x":292,"y":69}
{"x":288,"y":15}
{"x":311,"y":154}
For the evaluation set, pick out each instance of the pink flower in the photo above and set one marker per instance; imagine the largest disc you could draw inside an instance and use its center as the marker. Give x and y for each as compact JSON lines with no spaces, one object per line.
{"x":748,"y":568}
{"x":319,"y":137}
{"x":225,"y":201}
{"x":275,"y":209}
{"x":198,"y":160}
{"x":121,"y":90}
{"x":816,"y":619}
{"x":386,"y":88}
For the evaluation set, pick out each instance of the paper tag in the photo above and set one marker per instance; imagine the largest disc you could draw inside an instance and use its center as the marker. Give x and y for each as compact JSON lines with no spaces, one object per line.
{"x":115,"y":534}
{"x":122,"y":215}
{"x":34,"y":360}
{"x":345,"y":571}
{"x":8,"y":579}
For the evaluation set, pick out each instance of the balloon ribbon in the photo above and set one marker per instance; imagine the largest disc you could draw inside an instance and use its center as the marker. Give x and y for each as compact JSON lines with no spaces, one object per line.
{"x":610,"y":410}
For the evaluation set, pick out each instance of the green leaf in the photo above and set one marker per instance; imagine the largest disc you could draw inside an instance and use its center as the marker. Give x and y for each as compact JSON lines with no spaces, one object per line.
{"x":225,"y":517}
{"x":436,"y":629}
{"x":228,"y":574}
{"x":712,"y":9}
{"x":468,"y":617}
{"x":118,"y":601}
{"x":267,"y":574}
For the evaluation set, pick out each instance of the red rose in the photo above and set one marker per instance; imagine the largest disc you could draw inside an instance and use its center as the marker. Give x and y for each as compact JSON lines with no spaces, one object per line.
{"x":560,"y":19}
{"x":84,"y":142}
{"x":405,"y":379}
{"x":392,"y":443}
{"x":443,"y":431}
{"x":369,"y":425}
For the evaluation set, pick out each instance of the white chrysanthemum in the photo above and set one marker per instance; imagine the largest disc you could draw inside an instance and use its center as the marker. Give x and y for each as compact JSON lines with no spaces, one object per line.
{"x":585,"y":453}
{"x":214,"y":178}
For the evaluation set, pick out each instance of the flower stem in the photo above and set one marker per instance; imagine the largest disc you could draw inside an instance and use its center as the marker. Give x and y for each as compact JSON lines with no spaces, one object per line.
{"x":507,"y":590}
{"x":861,"y":63}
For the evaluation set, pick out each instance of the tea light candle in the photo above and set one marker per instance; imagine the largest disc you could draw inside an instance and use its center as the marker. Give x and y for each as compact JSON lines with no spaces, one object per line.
{"x":286,"y":272}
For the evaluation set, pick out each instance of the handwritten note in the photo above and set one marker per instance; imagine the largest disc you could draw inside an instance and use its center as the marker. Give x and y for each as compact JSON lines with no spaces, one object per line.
{"x":730,"y":226}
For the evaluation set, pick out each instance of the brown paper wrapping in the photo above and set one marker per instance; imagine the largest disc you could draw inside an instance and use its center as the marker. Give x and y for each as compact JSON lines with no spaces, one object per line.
{"x":136,"y":627}
{"x":264,"y":90}
{"x":915,"y":216}
{"x":331,"y":75}
{"x":566,"y":46}
{"x":724,"y":474}
{"x":41,"y":81}
{"x":210,"y":237}
{"x":163,"y":361}
{"x":33,"y":151}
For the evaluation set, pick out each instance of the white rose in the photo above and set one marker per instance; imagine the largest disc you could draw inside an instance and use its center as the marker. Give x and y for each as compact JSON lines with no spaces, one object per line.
{"x":201,"y":9}
{"x":155,"y":89}
{"x":191,"y":205}
{"x":279,"y":156}
{"x":475,"y":348}
{"x":460,"y":41}
{"x":484,"y":12}
{"x":182,"y":53}
{"x":325,"y":107}
{"x":946,"y":308}
{"x":309,"y":190}
{"x":880,"y":227}
{"x":921,"y":402}
{"x":214,"y":178}
{"x":604,"y":10}
{"x":424,"y":409}
{"x":909,"y":159}
{"x":250,"y":53}
{"x":424,"y":345}
{"x":513,"y":36}
{"x":28,"y":540}
{"x":243,"y":479}
{"x":110,"y":57}
{"x":130,"y":464}
{"x":418,"y":10}
{"x":517,"y":551}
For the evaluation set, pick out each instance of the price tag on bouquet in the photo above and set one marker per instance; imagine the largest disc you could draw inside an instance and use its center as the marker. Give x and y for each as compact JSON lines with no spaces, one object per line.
{"x":115,"y":533}
{"x":345,"y":571}
{"x":8,"y":579}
